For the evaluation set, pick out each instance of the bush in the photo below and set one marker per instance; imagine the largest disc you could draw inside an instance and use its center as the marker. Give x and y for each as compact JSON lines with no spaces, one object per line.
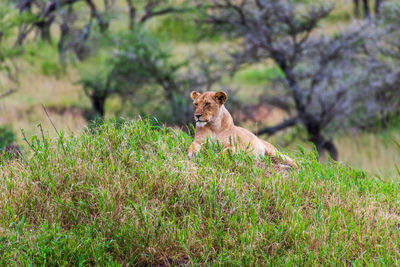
{"x":7,"y":136}
{"x":258,"y":76}
{"x":183,"y":28}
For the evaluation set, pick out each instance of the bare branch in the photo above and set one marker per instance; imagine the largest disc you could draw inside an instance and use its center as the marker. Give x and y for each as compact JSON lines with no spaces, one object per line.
{"x":52,"y":5}
{"x":7,"y":93}
{"x":151,"y":13}
{"x":132,"y":14}
{"x":94,"y":14}
{"x":283,"y":125}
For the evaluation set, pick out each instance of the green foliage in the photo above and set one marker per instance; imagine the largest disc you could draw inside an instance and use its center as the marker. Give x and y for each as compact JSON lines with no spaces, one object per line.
{"x":129,"y":195}
{"x":342,"y":16}
{"x":10,"y":19}
{"x":258,"y":76}
{"x":136,"y":60}
{"x":7,"y":136}
{"x":51,"y":68}
{"x":177,"y":29}
{"x":391,"y":11}
{"x":121,"y":70}
{"x":140,"y":59}
{"x":183,"y":28}
{"x":95,"y":75}
{"x":49,"y":63}
{"x":8,"y":22}
{"x":302,"y":1}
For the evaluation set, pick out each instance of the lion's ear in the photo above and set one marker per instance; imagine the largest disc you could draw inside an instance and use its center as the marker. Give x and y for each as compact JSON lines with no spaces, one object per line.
{"x":194,"y":95}
{"x":220,"y":97}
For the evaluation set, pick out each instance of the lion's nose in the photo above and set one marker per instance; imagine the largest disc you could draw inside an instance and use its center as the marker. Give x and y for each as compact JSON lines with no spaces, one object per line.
{"x":197,"y":116}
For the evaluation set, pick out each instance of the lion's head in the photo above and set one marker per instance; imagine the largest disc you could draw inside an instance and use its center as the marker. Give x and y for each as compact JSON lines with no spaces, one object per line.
{"x":207,"y":106}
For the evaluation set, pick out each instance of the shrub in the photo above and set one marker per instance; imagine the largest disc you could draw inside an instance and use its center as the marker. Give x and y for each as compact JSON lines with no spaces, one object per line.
{"x":7,"y":136}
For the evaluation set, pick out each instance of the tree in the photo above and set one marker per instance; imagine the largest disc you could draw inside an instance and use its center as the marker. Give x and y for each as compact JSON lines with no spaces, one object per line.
{"x":367,"y":13}
{"x":73,"y":36}
{"x":118,"y":74}
{"x":138,"y":60}
{"x":389,"y":50}
{"x":330,"y":82}
{"x":9,"y":22}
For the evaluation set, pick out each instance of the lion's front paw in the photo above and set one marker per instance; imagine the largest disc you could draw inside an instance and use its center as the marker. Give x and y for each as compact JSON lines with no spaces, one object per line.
{"x":193,"y":149}
{"x":191,"y":154}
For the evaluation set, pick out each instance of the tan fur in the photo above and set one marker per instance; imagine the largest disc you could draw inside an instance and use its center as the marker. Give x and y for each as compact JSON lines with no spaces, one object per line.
{"x":214,"y":121}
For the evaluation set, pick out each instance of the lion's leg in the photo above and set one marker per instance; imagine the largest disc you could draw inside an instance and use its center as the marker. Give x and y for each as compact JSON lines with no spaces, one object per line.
{"x":193,"y":149}
{"x":288,"y":161}
{"x":271,"y":151}
{"x":228,"y":148}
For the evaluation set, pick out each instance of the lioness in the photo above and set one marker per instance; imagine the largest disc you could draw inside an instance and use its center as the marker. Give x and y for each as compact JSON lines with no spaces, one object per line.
{"x":214,"y":121}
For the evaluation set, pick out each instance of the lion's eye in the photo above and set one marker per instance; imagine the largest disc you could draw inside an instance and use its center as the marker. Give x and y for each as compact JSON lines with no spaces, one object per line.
{"x":195,"y":104}
{"x":206,"y":104}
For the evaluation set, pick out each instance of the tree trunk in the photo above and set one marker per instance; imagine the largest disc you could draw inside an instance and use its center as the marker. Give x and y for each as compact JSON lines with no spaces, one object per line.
{"x":283,"y":125}
{"x":366,"y":9}
{"x":323,"y":145}
{"x":45,"y":34}
{"x":332,"y":150}
{"x":314,"y":130}
{"x":378,"y":4}
{"x":356,"y":8}
{"x":132,"y":14}
{"x":44,"y":28}
{"x":98,"y":102}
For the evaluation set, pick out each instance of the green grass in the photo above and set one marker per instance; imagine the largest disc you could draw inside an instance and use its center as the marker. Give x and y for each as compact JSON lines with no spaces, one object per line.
{"x":127,"y":194}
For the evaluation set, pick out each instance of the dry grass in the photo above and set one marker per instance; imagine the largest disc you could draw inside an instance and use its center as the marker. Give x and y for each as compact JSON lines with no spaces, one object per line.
{"x":23,"y":109}
{"x":375,"y":153}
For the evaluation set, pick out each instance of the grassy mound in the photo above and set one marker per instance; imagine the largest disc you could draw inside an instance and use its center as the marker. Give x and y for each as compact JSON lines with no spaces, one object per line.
{"x":128,"y":194}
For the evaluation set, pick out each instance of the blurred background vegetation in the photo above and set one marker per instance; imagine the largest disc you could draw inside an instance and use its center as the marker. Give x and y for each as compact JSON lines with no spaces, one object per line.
{"x":327,"y":75}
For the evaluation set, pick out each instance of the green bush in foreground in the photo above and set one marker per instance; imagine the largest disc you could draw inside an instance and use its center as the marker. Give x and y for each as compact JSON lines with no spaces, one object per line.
{"x":129,"y":195}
